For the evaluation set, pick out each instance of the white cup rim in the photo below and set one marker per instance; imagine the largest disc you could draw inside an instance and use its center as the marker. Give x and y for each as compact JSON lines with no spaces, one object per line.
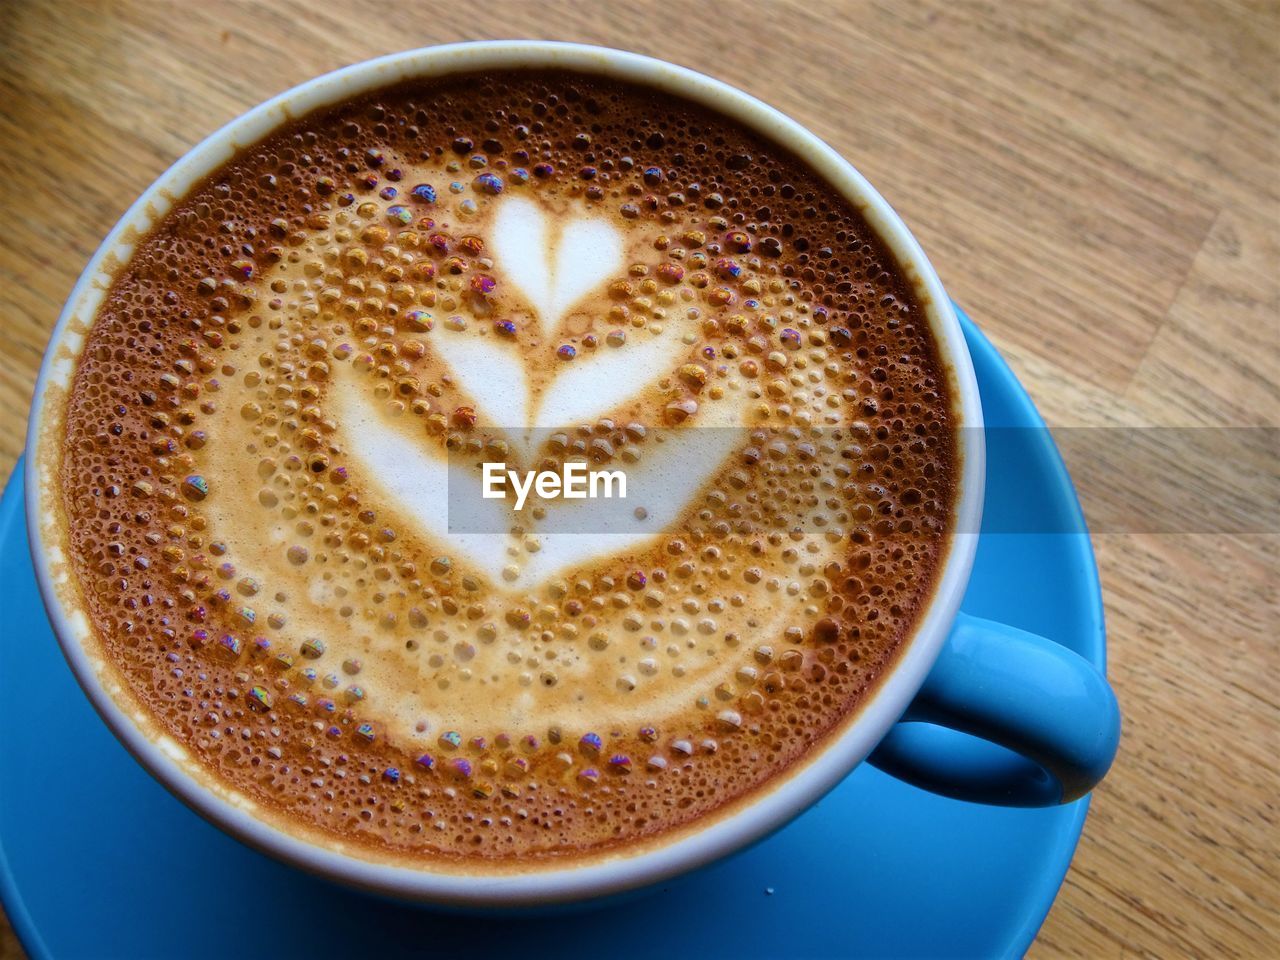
{"x":753,"y":818}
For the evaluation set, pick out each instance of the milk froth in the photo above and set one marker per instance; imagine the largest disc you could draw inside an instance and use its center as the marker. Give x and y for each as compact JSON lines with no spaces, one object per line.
{"x":288,"y":396}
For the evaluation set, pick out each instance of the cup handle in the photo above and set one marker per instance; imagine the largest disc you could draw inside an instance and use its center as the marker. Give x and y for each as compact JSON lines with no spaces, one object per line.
{"x":1019,"y":692}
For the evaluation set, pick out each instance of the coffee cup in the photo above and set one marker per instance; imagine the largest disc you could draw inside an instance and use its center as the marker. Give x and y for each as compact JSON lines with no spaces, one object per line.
{"x":1021,"y":692}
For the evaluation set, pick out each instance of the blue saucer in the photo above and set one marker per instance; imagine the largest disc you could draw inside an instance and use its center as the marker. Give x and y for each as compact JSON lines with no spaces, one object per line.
{"x":98,"y":860}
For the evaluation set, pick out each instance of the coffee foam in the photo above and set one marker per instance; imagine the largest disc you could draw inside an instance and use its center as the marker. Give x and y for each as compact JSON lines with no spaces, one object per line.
{"x":265,"y":535}
{"x":385,"y":452}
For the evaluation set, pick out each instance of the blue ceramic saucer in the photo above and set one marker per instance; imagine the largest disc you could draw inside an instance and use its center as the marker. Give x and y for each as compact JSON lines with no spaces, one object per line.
{"x":98,"y":860}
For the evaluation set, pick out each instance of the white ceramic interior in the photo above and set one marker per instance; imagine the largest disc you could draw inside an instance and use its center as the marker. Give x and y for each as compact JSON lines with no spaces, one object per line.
{"x":540,"y":884}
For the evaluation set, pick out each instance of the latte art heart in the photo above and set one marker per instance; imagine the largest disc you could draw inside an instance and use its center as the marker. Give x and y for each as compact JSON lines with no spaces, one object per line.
{"x":522,"y":394}
{"x":551,"y":268}
{"x":554,"y":265}
{"x":274,"y":455}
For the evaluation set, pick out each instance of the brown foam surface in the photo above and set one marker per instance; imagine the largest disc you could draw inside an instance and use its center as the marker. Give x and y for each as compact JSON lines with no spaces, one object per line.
{"x":261,"y":416}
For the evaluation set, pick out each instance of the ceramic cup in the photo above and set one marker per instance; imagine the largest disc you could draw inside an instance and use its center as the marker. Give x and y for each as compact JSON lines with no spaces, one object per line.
{"x":1020,"y":692}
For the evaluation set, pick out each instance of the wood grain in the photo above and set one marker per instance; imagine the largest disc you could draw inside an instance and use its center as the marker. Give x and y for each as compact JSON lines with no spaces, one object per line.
{"x":1098,"y":183}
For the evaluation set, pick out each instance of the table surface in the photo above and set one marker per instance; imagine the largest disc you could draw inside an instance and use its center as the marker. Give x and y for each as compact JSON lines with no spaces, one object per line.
{"x":1098,"y":184}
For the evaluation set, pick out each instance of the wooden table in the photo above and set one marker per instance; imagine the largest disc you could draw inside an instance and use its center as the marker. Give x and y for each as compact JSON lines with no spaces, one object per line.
{"x":1098,"y":184}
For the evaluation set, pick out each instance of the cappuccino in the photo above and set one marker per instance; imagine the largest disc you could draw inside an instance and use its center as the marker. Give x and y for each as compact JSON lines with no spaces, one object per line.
{"x":301,"y":390}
